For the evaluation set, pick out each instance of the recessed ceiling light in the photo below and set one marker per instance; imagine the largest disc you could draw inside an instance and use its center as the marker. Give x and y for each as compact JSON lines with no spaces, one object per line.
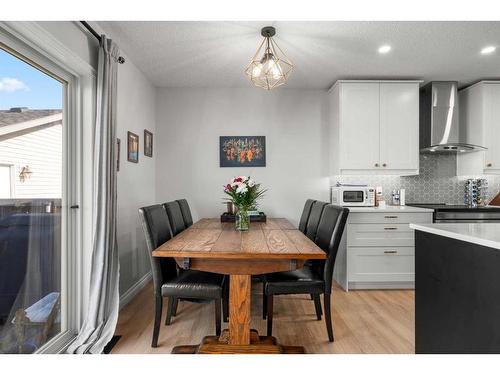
{"x":384,"y":49}
{"x":488,"y":50}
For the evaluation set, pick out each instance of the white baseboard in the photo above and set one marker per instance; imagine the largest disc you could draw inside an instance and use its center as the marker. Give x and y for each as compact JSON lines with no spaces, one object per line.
{"x":134,"y":289}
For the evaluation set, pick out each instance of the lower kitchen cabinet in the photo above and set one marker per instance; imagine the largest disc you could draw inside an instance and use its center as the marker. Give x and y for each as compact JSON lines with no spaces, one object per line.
{"x":378,"y":248}
{"x":375,"y":265}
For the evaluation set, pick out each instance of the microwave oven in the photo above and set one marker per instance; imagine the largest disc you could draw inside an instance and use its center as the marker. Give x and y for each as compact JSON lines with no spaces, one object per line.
{"x":353,"y":196}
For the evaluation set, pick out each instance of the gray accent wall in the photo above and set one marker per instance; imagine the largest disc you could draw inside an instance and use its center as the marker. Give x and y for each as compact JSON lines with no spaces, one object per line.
{"x":436,"y":183}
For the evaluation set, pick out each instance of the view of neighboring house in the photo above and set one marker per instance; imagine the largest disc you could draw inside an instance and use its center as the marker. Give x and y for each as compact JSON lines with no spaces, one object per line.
{"x":30,"y":153}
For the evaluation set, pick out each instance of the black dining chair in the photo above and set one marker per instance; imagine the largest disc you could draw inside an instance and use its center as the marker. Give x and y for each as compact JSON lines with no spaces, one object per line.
{"x":186,"y":212}
{"x":316,"y":278}
{"x":188,"y":285}
{"x":314,"y":218}
{"x":175,"y":217}
{"x":304,"y":218}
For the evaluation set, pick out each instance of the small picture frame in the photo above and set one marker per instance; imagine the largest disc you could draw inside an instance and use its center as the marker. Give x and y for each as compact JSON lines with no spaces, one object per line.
{"x":132,"y":147}
{"x":118,"y":148}
{"x":148,"y":143}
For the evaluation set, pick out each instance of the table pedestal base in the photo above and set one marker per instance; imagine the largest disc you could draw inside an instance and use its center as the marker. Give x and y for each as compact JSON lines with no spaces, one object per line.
{"x":219,"y":345}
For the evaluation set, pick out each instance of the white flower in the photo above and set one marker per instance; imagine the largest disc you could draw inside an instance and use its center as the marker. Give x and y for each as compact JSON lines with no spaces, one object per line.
{"x":242,"y":189}
{"x":251,"y":183}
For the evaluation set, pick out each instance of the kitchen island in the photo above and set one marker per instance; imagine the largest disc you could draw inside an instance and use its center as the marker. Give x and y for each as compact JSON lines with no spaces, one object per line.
{"x":457,"y":288}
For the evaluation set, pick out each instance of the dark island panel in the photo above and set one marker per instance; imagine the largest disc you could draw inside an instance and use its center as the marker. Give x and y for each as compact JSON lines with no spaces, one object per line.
{"x":457,"y":296}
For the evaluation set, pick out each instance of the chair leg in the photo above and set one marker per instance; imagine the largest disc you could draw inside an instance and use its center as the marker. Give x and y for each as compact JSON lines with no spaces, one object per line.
{"x":264,"y":302}
{"x":225,"y":309}
{"x":328,"y":316}
{"x":170,"y":309}
{"x":270,"y":315}
{"x":225,"y":304}
{"x":156,"y":329}
{"x":317,"y":305}
{"x":174,"y":310}
{"x":218,"y":303}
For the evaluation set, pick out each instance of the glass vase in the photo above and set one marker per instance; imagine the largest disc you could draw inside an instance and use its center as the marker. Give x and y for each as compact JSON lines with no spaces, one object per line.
{"x":242,"y":221}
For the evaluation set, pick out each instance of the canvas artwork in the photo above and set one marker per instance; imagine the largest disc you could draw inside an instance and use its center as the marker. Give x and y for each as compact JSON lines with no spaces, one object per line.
{"x":148,"y":143}
{"x":132,"y":147}
{"x":242,"y":151}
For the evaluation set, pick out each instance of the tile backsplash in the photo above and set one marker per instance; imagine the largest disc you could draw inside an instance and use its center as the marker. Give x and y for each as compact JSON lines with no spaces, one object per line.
{"x":436,"y":182}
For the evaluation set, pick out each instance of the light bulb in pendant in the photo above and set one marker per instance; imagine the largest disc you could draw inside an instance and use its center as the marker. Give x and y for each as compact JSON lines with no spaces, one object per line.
{"x":257,"y":69}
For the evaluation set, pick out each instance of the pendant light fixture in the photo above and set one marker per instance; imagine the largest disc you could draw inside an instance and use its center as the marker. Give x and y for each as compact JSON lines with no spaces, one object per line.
{"x":269,"y":68}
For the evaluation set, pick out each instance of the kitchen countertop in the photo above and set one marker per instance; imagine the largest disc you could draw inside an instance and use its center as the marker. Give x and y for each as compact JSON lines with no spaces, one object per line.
{"x":484,"y":234}
{"x":390,"y":209}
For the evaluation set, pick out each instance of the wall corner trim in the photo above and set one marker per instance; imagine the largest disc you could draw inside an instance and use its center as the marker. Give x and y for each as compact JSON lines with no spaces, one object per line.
{"x":47,"y":44}
{"x":126,"y":297}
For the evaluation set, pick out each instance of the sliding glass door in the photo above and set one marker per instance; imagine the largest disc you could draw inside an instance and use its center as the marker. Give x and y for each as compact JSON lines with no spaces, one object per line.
{"x":33,"y":228}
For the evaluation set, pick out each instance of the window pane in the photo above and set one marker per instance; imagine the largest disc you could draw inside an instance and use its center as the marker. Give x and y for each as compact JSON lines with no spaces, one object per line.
{"x":31,"y":154}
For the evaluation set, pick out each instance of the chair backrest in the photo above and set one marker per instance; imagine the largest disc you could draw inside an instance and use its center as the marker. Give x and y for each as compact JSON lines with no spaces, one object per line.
{"x":305,"y":215}
{"x":175,"y":217}
{"x":186,"y":212}
{"x":330,"y":231}
{"x":314,"y":218}
{"x":157,"y":231}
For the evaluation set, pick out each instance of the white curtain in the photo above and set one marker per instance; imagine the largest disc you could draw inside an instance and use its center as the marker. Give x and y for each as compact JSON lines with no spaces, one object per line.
{"x":102,"y":314}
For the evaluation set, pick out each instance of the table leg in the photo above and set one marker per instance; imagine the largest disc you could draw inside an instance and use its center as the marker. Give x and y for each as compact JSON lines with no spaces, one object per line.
{"x":239,"y":309}
{"x":239,"y":338}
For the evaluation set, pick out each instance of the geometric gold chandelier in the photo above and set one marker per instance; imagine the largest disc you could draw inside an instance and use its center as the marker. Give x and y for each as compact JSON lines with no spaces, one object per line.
{"x":270,"y":67}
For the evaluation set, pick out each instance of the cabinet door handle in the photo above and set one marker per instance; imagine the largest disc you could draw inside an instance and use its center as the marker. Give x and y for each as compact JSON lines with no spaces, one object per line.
{"x":390,"y":228}
{"x":376,"y":164}
{"x":390,"y":251}
{"x":489,"y":165}
{"x":384,"y":165}
{"x":390,"y":217}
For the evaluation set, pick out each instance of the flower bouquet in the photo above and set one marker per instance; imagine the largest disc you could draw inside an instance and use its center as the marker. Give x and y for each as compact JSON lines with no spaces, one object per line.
{"x":243,"y":192}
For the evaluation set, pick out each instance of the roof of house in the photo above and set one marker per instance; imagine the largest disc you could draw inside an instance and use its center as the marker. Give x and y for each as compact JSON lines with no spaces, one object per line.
{"x":22,"y":114}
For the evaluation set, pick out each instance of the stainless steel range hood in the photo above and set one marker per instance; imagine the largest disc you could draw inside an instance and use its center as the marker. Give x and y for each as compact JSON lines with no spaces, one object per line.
{"x":439,"y":127}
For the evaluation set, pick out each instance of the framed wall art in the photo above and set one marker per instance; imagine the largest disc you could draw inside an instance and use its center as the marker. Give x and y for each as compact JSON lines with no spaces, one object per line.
{"x":148,"y":143}
{"x":242,"y":151}
{"x":118,"y":149}
{"x":132,"y":147}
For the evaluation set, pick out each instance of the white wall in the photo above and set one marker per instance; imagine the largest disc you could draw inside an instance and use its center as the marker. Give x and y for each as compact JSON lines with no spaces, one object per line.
{"x":190,"y":121}
{"x":135,"y":112}
{"x":136,"y":182}
{"x":71,"y":34}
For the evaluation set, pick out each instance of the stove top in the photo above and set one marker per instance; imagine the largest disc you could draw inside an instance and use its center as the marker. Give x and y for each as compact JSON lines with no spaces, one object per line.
{"x":454,"y":207}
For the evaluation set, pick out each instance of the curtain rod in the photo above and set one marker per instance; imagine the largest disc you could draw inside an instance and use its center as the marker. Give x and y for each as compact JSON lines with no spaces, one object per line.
{"x":85,"y":24}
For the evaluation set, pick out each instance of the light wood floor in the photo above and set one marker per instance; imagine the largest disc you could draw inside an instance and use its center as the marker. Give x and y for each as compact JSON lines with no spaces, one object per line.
{"x":363,"y":321}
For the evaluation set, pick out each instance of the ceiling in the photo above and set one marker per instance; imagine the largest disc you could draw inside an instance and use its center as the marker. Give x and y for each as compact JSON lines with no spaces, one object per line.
{"x":215,"y":54}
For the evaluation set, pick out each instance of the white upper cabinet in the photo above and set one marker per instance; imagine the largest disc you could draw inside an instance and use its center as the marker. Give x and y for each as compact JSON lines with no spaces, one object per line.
{"x":375,"y":127}
{"x":492,"y":127}
{"x":480,"y":125}
{"x":399,"y":135}
{"x":360,"y":122}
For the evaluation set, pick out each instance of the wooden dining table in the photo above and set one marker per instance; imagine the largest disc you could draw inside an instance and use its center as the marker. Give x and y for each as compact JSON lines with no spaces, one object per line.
{"x":209,"y":245}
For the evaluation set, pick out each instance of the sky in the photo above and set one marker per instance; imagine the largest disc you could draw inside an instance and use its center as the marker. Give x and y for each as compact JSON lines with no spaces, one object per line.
{"x":22,"y":85}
